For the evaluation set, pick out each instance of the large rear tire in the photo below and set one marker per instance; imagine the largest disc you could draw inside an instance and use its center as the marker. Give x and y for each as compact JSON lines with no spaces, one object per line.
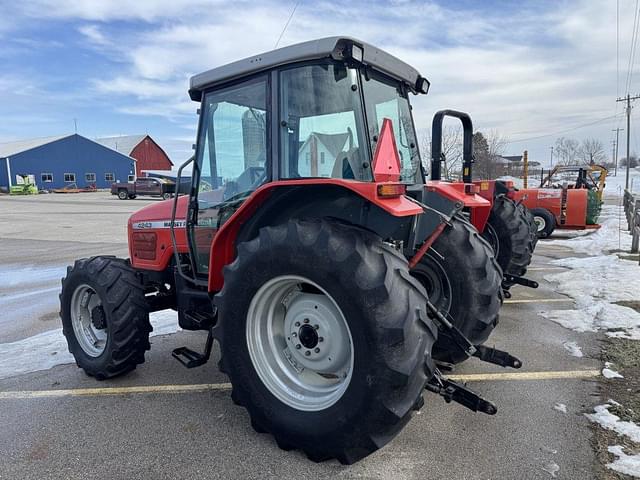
{"x":533,"y":226}
{"x":509,"y":233}
{"x":463,"y":280}
{"x":350,"y":393}
{"x":104,"y":316}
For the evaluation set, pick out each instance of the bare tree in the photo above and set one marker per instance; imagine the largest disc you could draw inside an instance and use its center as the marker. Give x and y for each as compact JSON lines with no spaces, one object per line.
{"x":592,"y":151}
{"x":487,"y":149}
{"x":566,"y":150}
{"x":452,"y":150}
{"x":633,"y":161}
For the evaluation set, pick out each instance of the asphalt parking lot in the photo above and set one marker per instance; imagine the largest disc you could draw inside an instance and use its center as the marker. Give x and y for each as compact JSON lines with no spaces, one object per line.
{"x":184,"y":425}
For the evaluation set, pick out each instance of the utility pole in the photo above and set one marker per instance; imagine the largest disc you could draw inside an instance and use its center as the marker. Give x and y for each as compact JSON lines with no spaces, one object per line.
{"x":628,"y":100}
{"x":551,"y":161}
{"x":615,"y":168}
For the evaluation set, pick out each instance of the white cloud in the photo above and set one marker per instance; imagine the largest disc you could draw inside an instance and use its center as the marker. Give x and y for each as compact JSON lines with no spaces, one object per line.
{"x":524,"y":71}
{"x":94,"y":35}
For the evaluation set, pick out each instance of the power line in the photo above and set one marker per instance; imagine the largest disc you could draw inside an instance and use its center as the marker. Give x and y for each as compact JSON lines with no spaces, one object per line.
{"x":632,"y":49}
{"x":566,"y":130}
{"x":287,"y":24}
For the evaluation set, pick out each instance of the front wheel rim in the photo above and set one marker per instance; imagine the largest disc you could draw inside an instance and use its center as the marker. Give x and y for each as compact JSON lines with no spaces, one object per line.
{"x":540,"y":223}
{"x":299,"y":343}
{"x":88,"y":320}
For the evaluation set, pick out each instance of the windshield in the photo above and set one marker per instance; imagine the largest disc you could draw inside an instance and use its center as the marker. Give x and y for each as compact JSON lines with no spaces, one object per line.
{"x":385,"y":99}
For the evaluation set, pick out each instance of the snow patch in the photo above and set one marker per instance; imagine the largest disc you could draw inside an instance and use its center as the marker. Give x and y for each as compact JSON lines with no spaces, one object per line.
{"x":610,"y":421}
{"x":603,"y":240}
{"x":552,"y":468}
{"x":18,"y":275}
{"x":573,"y":349}
{"x":593,"y":283}
{"x":626,"y":464}
{"x":608,"y":373}
{"x":561,"y":407}
{"x":48,"y":349}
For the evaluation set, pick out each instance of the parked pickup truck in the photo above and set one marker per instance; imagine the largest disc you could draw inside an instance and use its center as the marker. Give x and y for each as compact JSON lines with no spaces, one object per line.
{"x":156,"y":187}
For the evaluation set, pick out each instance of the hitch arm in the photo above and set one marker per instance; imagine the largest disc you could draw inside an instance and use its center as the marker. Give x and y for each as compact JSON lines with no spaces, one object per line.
{"x":452,"y":391}
{"x":514,"y":279}
{"x":456,"y":335}
{"x":497,"y":357}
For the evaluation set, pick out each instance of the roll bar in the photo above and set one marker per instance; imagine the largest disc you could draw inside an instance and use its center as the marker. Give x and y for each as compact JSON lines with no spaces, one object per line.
{"x":436,"y":143}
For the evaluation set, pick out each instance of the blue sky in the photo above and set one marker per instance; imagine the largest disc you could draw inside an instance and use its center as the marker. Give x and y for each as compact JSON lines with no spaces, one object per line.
{"x":522,"y":69}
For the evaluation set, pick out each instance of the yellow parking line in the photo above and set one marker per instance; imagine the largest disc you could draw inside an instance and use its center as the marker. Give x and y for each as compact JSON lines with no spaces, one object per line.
{"x":208,"y":387}
{"x":93,"y":392}
{"x":553,"y":375}
{"x":539,"y":300}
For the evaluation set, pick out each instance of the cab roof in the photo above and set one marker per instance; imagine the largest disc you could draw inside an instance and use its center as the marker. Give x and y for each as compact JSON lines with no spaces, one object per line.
{"x":338,"y":48}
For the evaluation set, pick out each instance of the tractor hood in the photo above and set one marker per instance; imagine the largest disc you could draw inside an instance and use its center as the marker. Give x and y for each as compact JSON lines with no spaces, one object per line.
{"x":158,"y":215}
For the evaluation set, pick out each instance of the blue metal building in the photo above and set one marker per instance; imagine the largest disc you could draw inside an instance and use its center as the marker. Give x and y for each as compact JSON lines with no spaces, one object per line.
{"x":59,"y":161}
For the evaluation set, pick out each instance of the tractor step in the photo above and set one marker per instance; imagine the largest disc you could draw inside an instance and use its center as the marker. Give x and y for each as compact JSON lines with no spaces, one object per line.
{"x":192,"y":359}
{"x":452,"y":391}
{"x":497,"y":357}
{"x":514,"y":279}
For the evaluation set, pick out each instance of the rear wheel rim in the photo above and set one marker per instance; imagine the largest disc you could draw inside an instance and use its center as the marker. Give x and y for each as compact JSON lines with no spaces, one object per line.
{"x":86,"y":306}
{"x":492,"y":237}
{"x":299,"y":343}
{"x":435,"y":281}
{"x":540,"y":223}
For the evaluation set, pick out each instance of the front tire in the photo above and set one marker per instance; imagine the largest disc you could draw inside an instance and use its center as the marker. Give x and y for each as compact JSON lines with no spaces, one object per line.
{"x":318,"y":279}
{"x":123,"y":195}
{"x":104,"y":316}
{"x":463,"y":280}
{"x":545,"y":221}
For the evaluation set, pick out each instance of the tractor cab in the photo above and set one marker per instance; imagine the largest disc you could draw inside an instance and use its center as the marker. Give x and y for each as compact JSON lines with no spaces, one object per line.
{"x":311,"y":111}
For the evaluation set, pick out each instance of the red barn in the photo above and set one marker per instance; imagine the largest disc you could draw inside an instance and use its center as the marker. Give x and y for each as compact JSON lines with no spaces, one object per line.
{"x":149,"y":155}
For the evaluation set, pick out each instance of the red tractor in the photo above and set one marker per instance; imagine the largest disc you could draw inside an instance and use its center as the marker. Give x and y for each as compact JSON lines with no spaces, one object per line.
{"x":506,"y":224}
{"x":569,"y":197}
{"x":298,"y":249}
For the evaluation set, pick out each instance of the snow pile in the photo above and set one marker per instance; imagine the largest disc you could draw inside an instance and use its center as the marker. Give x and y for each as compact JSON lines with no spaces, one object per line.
{"x":593,"y":283}
{"x":605,"y":239}
{"x":48,"y":349}
{"x":612,"y":422}
{"x":573,"y":349}
{"x":627,"y":464}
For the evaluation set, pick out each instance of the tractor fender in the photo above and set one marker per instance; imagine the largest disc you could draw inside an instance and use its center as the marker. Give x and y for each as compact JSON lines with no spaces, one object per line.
{"x":357,"y":202}
{"x":465,"y":193}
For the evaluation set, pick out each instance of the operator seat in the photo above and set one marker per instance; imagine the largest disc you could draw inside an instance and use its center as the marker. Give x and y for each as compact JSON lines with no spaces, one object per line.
{"x":347,"y":164}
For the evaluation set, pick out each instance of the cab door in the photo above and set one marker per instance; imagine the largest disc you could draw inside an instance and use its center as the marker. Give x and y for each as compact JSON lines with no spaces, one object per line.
{"x":231,"y":159}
